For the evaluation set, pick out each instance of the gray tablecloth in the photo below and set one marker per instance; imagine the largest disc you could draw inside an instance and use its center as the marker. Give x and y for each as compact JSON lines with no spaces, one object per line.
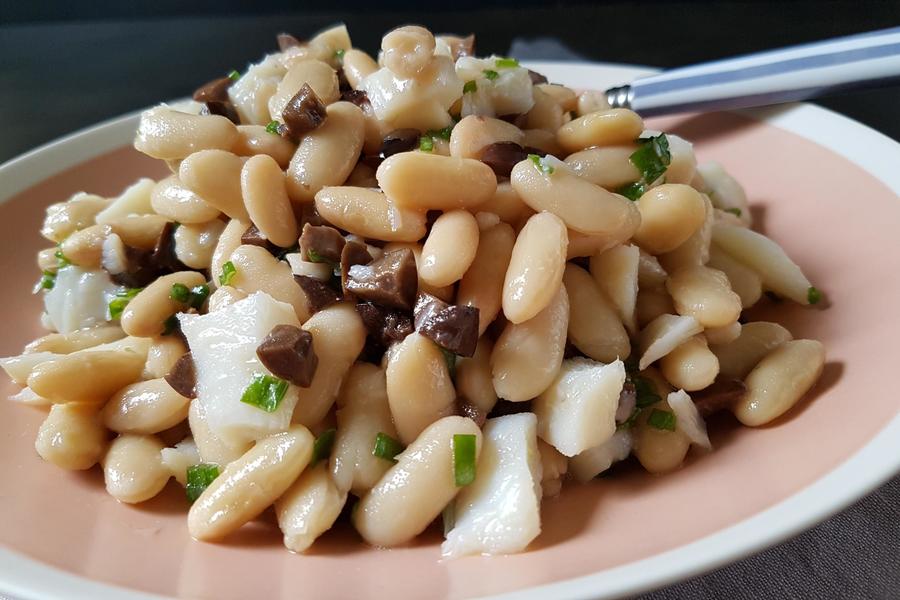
{"x":854,"y":554}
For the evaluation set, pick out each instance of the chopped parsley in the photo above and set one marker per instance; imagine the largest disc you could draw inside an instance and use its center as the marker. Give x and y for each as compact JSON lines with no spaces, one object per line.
{"x":506,"y":63}
{"x":632,"y":191}
{"x":199,"y":294}
{"x":339,"y":54}
{"x":265,"y":392}
{"x":272,"y":127}
{"x":491,"y":75}
{"x":652,"y":158}
{"x":426,"y":143}
{"x":470,"y":87}
{"x":234,"y":75}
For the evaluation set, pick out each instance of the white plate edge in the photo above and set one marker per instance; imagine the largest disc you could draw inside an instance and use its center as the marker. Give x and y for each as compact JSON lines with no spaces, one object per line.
{"x":853,"y":479}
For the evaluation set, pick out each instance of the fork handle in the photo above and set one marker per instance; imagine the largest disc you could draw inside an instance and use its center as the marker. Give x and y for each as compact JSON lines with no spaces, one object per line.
{"x":772,"y":77}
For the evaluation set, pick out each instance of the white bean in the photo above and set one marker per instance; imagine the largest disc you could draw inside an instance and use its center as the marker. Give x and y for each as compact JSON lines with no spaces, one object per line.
{"x":414,"y":492}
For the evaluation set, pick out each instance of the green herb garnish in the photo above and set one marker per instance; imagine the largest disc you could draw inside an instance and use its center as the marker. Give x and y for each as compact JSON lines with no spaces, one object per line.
{"x":661,"y":419}
{"x":470,"y":87}
{"x":644,"y":393}
{"x":322,"y":446}
{"x":199,"y":294}
{"x":118,"y":304}
{"x":463,"y":459}
{"x":170,"y":325}
{"x":61,"y":260}
{"x":47,"y":281}
{"x":272,"y":127}
{"x":632,"y":191}
{"x":491,"y":75}
{"x":180,"y":293}
{"x":234,"y":75}
{"x":386,"y":447}
{"x":814,"y":296}
{"x":198,"y":479}
{"x":542,"y":166}
{"x":450,"y":359}
{"x":652,"y":157}
{"x":265,"y":392}
{"x":426,"y":143}
{"x":228,"y":273}
{"x":443,"y":134}
{"x":339,"y":53}
{"x":735,"y":211}
{"x":506,"y":63}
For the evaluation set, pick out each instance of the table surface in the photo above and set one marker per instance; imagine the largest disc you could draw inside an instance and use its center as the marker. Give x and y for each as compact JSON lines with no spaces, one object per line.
{"x":56,"y":77}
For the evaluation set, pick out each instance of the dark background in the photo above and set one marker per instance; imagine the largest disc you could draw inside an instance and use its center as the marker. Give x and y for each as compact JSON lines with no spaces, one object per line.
{"x":66,"y":65}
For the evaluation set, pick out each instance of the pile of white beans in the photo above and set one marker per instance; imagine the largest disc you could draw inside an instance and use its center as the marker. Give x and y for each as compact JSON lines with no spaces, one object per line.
{"x":571,"y":279}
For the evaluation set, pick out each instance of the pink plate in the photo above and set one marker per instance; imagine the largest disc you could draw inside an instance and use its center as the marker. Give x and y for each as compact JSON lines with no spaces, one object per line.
{"x":822,"y":186}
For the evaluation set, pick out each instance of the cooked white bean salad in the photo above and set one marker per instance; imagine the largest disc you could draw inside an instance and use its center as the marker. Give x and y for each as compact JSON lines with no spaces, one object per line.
{"x":393,"y":290}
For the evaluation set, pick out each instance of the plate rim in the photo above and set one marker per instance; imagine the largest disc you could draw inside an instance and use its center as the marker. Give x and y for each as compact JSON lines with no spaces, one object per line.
{"x":857,"y":476}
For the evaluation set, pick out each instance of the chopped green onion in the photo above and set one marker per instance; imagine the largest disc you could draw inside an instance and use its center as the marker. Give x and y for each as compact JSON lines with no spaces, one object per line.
{"x":470,"y":87}
{"x":506,"y":63}
{"x":339,"y":53}
{"x":491,"y":75}
{"x":62,"y":261}
{"x":118,"y":304}
{"x":426,"y":144}
{"x":814,"y":296}
{"x":652,"y":158}
{"x":234,"y":75}
{"x":735,"y":211}
{"x":542,"y":166}
{"x":632,"y":191}
{"x":265,"y":392}
{"x":450,"y":359}
{"x":443,"y":134}
{"x":463,"y":458}
{"x":272,"y":127}
{"x":198,"y":479}
{"x":661,"y":419}
{"x":170,"y":325}
{"x":199,"y":294}
{"x":322,"y":446}
{"x":228,"y":272}
{"x":48,"y":280}
{"x":180,"y":293}
{"x":386,"y":447}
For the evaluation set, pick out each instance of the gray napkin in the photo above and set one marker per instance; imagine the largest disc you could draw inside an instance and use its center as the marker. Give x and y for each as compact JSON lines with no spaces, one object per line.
{"x":854,"y":554}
